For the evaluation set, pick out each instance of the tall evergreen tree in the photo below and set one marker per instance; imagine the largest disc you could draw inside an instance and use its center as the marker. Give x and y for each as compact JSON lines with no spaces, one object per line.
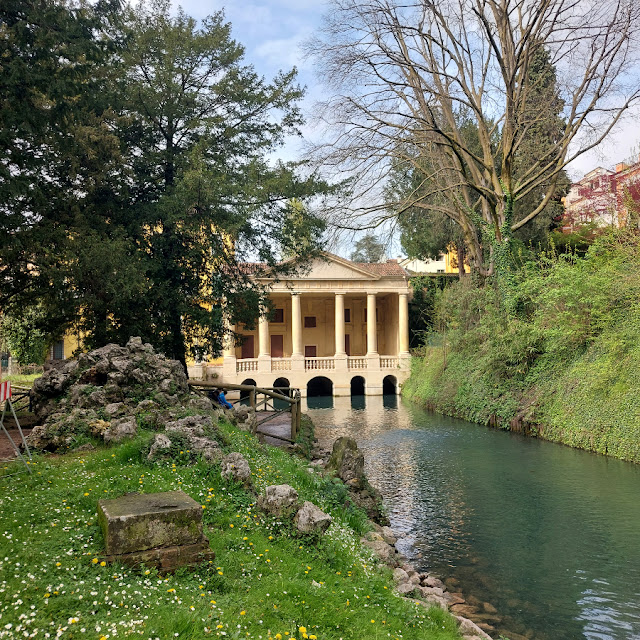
{"x":135,"y":176}
{"x":206,"y":196}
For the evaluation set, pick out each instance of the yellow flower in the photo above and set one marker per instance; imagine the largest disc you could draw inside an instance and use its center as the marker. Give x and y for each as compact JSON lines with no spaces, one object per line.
{"x":95,"y":561}
{"x":231,"y":526}
{"x":103,"y":564}
{"x":242,"y":613}
{"x":313,"y":637}
{"x":373,"y":621}
{"x":47,"y":595}
{"x":219,"y":573}
{"x":302,"y":629}
{"x":278,"y":636}
{"x":147,"y":572}
{"x":204,"y":506}
{"x":86,"y":494}
{"x":58,"y":564}
{"x":219,"y":626}
{"x":172,"y":590}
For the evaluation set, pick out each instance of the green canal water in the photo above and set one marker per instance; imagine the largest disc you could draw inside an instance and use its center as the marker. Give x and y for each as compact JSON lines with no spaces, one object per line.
{"x":548,"y":535}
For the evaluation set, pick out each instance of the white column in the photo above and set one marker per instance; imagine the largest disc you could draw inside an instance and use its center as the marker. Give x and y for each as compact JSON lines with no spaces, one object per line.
{"x":403,"y":322}
{"x":296,"y":326}
{"x":372,"y":328}
{"x":339,"y":324}
{"x":264,"y":348}
{"x":228,"y":346}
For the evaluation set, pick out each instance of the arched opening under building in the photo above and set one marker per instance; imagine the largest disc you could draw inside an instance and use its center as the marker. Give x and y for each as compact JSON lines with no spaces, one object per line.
{"x":244,"y":395}
{"x":320,"y":393}
{"x":389,"y":386}
{"x":281,"y":385}
{"x":319,"y":386}
{"x":357,"y":386}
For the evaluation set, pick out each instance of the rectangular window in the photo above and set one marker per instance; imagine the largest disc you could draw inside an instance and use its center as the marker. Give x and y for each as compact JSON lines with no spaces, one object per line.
{"x":309,"y":322}
{"x":58,"y":350}
{"x":347,"y":315}
{"x":310,"y":351}
{"x":278,"y":316}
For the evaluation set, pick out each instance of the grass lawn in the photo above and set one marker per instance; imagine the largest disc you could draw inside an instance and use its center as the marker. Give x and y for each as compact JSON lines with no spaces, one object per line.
{"x":20,"y":380}
{"x":265,"y":582}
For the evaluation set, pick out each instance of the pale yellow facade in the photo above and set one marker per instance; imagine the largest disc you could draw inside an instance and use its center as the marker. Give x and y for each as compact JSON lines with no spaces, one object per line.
{"x":339,"y":320}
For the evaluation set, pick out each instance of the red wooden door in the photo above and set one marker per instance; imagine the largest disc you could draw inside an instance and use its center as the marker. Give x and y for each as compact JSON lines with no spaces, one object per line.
{"x":247,"y":347}
{"x":277,"y":346}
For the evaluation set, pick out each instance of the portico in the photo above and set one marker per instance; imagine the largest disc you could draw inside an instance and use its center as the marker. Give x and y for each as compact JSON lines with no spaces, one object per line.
{"x":339,"y":321}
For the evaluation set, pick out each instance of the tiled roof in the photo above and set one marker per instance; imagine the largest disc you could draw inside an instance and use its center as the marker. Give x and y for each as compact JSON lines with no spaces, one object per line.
{"x":389,"y":268}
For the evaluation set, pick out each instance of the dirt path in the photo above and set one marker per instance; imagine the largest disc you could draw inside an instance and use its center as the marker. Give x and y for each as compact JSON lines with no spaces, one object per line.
{"x":7,"y":452}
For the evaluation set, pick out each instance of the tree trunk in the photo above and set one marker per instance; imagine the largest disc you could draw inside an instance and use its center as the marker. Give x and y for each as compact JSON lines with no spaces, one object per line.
{"x":461,"y":255}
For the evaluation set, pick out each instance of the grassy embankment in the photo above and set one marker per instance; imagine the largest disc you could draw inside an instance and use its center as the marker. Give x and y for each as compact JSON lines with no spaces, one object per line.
{"x":563,"y":365}
{"x":265,"y":583}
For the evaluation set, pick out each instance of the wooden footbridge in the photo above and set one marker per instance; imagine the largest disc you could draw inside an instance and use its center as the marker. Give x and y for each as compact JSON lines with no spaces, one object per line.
{"x":277,"y":409}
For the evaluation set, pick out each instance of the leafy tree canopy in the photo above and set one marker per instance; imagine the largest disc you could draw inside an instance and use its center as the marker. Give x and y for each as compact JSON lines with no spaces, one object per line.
{"x":368,"y":249}
{"x":146,"y":181}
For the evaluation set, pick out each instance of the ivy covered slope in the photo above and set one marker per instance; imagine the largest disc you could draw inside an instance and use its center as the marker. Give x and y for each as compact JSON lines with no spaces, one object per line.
{"x":266,"y":581}
{"x":562,"y":365}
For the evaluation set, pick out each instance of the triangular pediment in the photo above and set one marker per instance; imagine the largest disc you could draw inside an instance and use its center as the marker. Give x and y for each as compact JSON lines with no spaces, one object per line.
{"x":332,"y":267}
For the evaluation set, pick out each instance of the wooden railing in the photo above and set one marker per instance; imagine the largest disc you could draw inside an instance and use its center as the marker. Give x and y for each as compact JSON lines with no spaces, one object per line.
{"x":262,"y":399}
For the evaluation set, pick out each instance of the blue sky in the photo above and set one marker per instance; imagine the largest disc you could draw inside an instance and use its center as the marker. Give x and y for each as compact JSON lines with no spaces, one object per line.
{"x":272,"y":31}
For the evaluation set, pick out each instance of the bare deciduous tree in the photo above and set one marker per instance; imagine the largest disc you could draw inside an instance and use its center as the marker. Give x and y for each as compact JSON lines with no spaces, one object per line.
{"x":405,"y":74}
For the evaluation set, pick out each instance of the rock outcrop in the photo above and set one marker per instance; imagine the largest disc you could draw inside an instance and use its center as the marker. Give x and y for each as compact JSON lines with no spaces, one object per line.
{"x":310,"y":519}
{"x":279,"y":500}
{"x":109,"y":392}
{"x":235,"y":467}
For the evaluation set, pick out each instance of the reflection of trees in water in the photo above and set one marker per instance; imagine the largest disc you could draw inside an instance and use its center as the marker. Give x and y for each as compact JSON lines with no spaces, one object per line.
{"x":514,"y":519}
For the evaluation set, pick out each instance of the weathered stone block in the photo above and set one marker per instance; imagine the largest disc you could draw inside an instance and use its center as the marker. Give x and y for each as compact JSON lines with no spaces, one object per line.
{"x":139,"y":522}
{"x":168,"y":559}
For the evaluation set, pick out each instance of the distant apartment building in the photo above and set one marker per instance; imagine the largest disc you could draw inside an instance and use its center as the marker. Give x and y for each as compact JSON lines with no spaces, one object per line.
{"x":603,"y":197}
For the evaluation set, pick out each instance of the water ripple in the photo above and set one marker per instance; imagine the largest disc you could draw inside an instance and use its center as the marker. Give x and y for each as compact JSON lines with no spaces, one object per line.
{"x":548,"y":535}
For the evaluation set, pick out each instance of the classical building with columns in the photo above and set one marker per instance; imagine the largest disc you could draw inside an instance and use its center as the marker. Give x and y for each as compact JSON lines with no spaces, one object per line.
{"x":341,"y":328}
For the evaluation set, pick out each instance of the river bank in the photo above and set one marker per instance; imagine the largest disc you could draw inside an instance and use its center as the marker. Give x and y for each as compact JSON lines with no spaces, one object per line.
{"x":555,"y":356}
{"x":592,"y":403}
{"x":547,"y":535}
{"x":267,"y":580}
